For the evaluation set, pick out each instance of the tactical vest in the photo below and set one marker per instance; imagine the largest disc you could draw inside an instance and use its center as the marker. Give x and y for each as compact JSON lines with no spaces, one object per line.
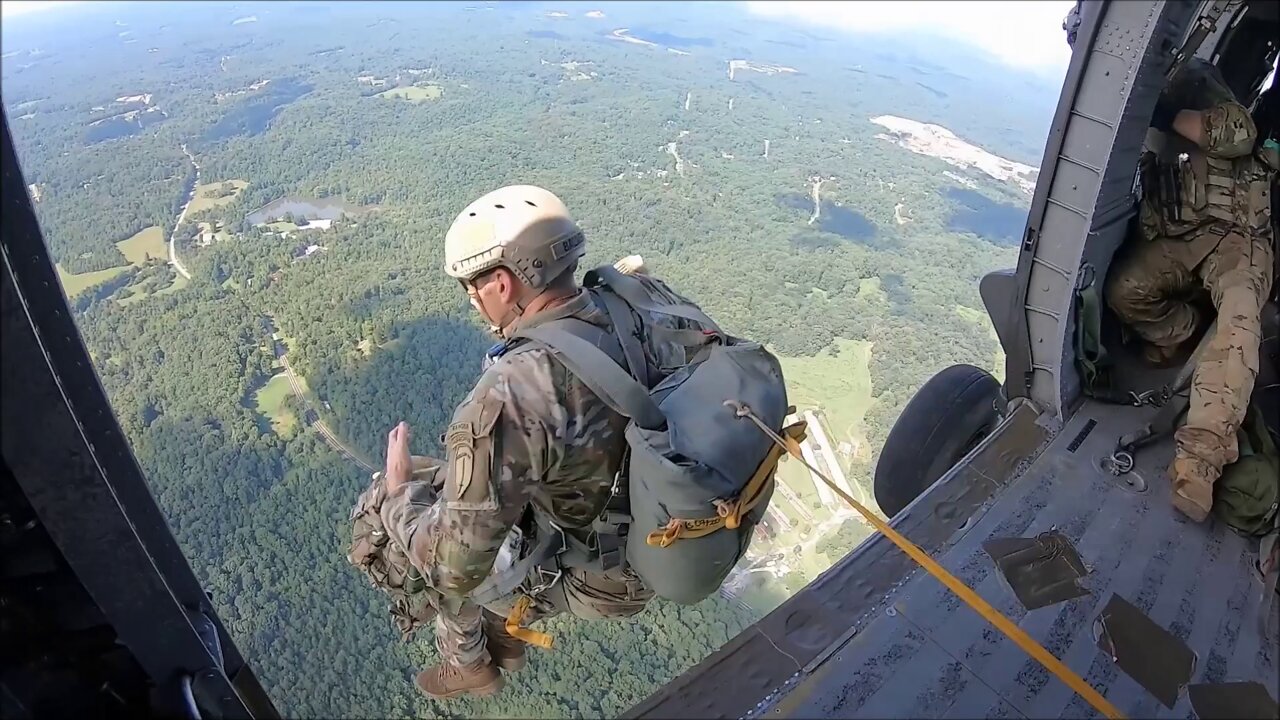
{"x":1185,"y":190}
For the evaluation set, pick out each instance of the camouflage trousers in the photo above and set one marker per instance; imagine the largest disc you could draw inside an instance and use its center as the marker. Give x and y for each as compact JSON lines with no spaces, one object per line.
{"x":461,"y":626}
{"x":1149,"y":287}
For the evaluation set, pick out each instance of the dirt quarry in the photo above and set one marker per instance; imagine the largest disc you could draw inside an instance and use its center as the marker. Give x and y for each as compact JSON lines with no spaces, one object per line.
{"x":766,"y":68}
{"x":937,"y":141}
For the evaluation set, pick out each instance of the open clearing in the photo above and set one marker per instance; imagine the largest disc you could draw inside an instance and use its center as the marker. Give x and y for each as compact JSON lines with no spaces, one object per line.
{"x":205,"y":228}
{"x":146,"y":244}
{"x":76,"y":283}
{"x":413,"y":93}
{"x":838,"y":385}
{"x":269,"y":401}
{"x":281,"y":226}
{"x":136,"y":249}
{"x":207,"y":195}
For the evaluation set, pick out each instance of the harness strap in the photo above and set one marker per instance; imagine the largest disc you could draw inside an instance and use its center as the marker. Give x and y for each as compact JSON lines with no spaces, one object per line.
{"x":687,"y":338}
{"x":599,"y":372}
{"x":1165,"y":421}
{"x":624,"y":328}
{"x":551,"y":542}
{"x":515,"y":630}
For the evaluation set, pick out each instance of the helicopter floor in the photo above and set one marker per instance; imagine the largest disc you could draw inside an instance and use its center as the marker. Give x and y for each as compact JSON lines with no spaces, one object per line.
{"x":927,"y":654}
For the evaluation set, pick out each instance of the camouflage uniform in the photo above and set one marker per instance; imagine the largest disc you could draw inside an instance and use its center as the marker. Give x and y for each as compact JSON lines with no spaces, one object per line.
{"x":1205,"y":217}
{"x":529,"y":435}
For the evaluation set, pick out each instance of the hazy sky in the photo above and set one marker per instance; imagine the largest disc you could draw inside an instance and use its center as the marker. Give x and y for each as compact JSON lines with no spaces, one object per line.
{"x":1025,"y":34}
{"x":9,"y":8}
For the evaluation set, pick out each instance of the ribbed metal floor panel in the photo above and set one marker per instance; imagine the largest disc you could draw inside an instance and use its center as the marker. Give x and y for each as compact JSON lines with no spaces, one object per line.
{"x":928,"y":654}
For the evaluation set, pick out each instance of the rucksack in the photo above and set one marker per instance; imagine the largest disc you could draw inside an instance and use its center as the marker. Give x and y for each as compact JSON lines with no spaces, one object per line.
{"x":385,"y":563}
{"x":699,"y":476}
{"x":1247,"y":495}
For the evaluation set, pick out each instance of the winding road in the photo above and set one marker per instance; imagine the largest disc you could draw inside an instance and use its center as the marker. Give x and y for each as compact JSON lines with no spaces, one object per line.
{"x":173,"y":236}
{"x":310,"y":415}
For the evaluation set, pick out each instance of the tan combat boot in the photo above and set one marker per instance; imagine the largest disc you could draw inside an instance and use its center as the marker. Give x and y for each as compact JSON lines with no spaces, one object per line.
{"x":507,"y":651}
{"x":1192,"y":486}
{"x":444,"y":681}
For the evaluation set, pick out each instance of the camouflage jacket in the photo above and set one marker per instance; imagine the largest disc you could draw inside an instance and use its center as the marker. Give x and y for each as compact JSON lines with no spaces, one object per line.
{"x":530,"y":434}
{"x":1224,"y":184}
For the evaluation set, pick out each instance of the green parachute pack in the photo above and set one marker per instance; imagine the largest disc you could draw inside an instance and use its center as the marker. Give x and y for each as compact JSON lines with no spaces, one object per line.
{"x":700,"y":471}
{"x":1247,"y":496}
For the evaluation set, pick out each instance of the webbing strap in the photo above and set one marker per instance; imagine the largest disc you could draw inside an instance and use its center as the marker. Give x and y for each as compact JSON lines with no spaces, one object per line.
{"x":1090,"y":352}
{"x":599,"y":372}
{"x":516,"y":630}
{"x":632,"y":290}
{"x":550,"y":542}
{"x":729,"y":514}
{"x":1206,"y":24}
{"x":624,"y":327}
{"x":973,"y":599}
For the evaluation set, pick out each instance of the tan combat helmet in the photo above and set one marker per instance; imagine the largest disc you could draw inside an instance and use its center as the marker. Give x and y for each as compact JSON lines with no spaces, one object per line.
{"x":520,"y":227}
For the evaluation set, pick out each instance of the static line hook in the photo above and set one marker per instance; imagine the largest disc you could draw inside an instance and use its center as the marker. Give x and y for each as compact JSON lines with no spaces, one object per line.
{"x":739,"y":409}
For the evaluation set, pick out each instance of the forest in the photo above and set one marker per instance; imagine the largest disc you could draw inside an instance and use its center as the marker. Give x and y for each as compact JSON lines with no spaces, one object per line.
{"x":654,"y":149}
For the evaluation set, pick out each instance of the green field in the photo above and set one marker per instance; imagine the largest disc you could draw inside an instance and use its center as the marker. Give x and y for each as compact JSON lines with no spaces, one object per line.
{"x":76,"y":283}
{"x":836,"y":384}
{"x":281,"y":226}
{"x":206,"y":195}
{"x":870,"y":290}
{"x":147,"y":243}
{"x":269,"y":400}
{"x":413,"y":93}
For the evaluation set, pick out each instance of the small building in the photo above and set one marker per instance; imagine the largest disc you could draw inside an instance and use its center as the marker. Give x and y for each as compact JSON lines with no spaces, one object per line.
{"x":306,"y":251}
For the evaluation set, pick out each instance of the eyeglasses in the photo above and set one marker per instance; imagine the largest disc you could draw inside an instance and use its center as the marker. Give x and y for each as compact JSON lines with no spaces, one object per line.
{"x":472,"y":286}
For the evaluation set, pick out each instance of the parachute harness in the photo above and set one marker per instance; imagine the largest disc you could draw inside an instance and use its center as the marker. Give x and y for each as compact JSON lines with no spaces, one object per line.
{"x":965,"y":593}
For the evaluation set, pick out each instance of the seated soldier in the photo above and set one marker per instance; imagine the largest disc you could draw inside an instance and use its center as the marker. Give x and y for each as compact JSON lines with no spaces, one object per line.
{"x":1206,"y":221}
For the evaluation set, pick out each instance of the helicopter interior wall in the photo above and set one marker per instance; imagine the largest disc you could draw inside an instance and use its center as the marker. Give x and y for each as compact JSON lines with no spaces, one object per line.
{"x":1123,"y":78}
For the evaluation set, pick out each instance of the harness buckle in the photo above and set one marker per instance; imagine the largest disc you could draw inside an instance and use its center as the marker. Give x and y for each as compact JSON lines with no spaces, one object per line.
{"x":1154,"y":398}
{"x":548,"y":578}
{"x":544,"y":583}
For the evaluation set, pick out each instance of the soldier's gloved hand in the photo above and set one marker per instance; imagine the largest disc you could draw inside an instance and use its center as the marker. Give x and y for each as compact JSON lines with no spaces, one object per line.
{"x":1162,"y":118}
